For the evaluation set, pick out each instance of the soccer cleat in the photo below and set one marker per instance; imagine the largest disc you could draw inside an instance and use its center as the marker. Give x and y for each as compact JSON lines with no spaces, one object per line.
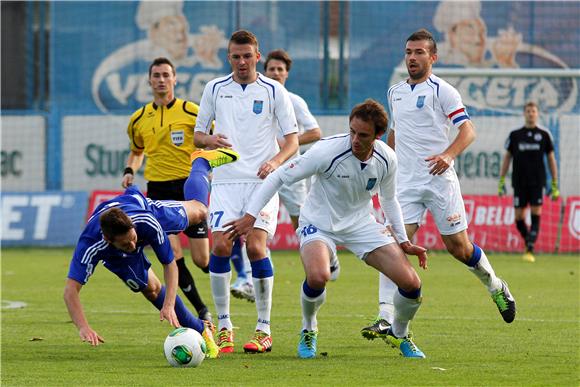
{"x":216,"y":157}
{"x":307,"y":344}
{"x":210,"y":345}
{"x":243,"y":289}
{"x":260,"y":343}
{"x":378,"y":329}
{"x":506,"y":304}
{"x":205,"y":315}
{"x":405,"y":345}
{"x":225,"y":341}
{"x":528,"y":257}
{"x":334,"y":269}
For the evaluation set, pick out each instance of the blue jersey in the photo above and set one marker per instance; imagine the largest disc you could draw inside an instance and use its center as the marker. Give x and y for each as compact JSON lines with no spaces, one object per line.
{"x":153,"y":220}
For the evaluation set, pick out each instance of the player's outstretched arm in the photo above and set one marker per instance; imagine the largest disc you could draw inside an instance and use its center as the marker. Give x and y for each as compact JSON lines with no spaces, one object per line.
{"x":167,"y":311}
{"x":75,"y":310}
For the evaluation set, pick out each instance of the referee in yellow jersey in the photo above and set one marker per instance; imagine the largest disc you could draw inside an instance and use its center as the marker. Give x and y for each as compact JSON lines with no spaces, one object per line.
{"x":163,"y":131}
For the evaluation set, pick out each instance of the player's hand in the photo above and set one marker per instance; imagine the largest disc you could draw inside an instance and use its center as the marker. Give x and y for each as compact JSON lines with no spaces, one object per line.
{"x":217,"y":141}
{"x":439,"y":163}
{"x":128,"y":179}
{"x":554,"y":192}
{"x":501,"y":186}
{"x":91,"y":336}
{"x":420,"y":252}
{"x":239,"y":227}
{"x":168,"y":313}
{"x":267,"y":168}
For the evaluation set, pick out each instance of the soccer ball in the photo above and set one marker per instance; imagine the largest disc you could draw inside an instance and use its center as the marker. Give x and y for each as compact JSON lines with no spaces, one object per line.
{"x":184,"y":347}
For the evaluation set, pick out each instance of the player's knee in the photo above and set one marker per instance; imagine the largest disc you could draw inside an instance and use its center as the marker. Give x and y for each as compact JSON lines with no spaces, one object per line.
{"x":461,"y":252}
{"x":318,"y":280}
{"x":197,"y":214}
{"x":410,"y":282}
{"x":151,"y":292}
{"x":255,"y":249}
{"x":222,"y":246}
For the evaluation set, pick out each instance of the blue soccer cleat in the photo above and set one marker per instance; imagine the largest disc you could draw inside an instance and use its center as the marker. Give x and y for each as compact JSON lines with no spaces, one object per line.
{"x":407,"y":347}
{"x":307,"y":344}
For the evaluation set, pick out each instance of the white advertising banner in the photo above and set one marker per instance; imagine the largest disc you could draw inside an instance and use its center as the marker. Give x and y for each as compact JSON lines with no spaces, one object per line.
{"x":94,"y":152}
{"x":23,"y":153}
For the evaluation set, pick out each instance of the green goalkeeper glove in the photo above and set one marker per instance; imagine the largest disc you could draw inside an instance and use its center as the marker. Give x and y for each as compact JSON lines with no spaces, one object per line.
{"x":555,"y":192}
{"x":501,"y":186}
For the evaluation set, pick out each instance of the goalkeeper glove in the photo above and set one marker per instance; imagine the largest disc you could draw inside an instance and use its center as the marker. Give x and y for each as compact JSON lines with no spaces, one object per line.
{"x":554,"y":192}
{"x":501,"y":186}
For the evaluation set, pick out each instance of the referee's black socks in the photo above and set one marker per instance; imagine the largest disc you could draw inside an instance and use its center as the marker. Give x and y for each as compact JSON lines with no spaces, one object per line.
{"x":187,"y":286}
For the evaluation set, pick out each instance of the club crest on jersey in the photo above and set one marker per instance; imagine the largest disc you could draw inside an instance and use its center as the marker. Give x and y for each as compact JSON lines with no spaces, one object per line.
{"x":371,"y":183}
{"x":258,"y":106}
{"x":420,"y":101}
{"x":177,"y":137}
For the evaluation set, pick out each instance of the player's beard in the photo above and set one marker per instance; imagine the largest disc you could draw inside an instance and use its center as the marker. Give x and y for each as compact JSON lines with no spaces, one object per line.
{"x":418,"y":74}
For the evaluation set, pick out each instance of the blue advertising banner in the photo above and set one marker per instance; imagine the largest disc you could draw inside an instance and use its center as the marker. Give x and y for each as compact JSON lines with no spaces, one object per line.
{"x":102,"y":50}
{"x":42,"y":219}
{"x":515,"y":35}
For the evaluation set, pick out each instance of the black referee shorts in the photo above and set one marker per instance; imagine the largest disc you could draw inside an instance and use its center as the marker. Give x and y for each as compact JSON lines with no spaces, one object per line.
{"x":173,"y":190}
{"x":532,"y":195}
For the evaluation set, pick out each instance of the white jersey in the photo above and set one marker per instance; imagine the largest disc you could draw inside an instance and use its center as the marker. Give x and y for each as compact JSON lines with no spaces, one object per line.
{"x":304,"y":118}
{"x":343,"y":186}
{"x":248,"y":115}
{"x":420,"y":116}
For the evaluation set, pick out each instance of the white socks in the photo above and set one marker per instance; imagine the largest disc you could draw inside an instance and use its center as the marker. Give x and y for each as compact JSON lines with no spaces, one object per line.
{"x":405,"y":309}
{"x":310,"y":307}
{"x":263,"y":290}
{"x":220,"y":290}
{"x":387,"y":289}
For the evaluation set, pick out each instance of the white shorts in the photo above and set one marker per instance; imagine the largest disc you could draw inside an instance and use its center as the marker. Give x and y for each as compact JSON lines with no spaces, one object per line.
{"x":293,"y":197}
{"x":230,"y":201}
{"x":442,"y":197}
{"x":367,"y":237}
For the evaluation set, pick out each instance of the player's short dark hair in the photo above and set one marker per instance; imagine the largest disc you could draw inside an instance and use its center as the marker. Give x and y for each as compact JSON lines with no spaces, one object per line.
{"x":531,"y":104}
{"x":160,"y":61}
{"x":115,"y":222}
{"x":280,"y":55}
{"x":424,"y":34}
{"x":243,"y":37}
{"x":371,"y":111}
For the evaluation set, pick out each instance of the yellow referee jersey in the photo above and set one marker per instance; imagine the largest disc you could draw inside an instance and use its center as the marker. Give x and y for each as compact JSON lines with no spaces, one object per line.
{"x":165,"y":135}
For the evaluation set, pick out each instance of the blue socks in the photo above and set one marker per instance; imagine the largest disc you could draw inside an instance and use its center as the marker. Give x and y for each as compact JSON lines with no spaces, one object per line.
{"x":196,"y":186}
{"x":219,"y":264}
{"x":184,"y":316}
{"x":310,"y":292}
{"x":262,"y":268}
{"x":475,"y":257}
{"x":238,"y":260}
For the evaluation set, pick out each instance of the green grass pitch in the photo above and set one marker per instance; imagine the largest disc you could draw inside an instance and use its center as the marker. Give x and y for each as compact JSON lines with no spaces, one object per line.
{"x":458,"y":327}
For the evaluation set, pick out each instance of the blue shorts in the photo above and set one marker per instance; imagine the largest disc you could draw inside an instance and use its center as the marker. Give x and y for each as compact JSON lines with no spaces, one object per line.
{"x":132,"y":270}
{"x":170,"y":214}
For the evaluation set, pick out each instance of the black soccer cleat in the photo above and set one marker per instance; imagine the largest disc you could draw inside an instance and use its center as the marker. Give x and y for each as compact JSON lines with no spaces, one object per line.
{"x":506,"y":304}
{"x":378,"y":329}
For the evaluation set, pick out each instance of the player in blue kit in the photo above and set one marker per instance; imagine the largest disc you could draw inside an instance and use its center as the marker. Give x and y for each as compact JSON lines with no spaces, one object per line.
{"x":118,"y":231}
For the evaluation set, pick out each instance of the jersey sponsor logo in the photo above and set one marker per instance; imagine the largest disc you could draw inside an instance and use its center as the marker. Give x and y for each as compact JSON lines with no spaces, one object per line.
{"x":420,"y":101}
{"x":177,"y":137}
{"x":526,"y":146}
{"x":258,"y":106}
{"x":371,"y":183}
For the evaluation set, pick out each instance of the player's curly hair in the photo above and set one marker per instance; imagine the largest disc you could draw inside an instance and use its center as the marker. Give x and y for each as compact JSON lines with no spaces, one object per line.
{"x":424,"y":34}
{"x":371,"y":111}
{"x":243,"y":37}
{"x":280,"y":55}
{"x":115,"y":222}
